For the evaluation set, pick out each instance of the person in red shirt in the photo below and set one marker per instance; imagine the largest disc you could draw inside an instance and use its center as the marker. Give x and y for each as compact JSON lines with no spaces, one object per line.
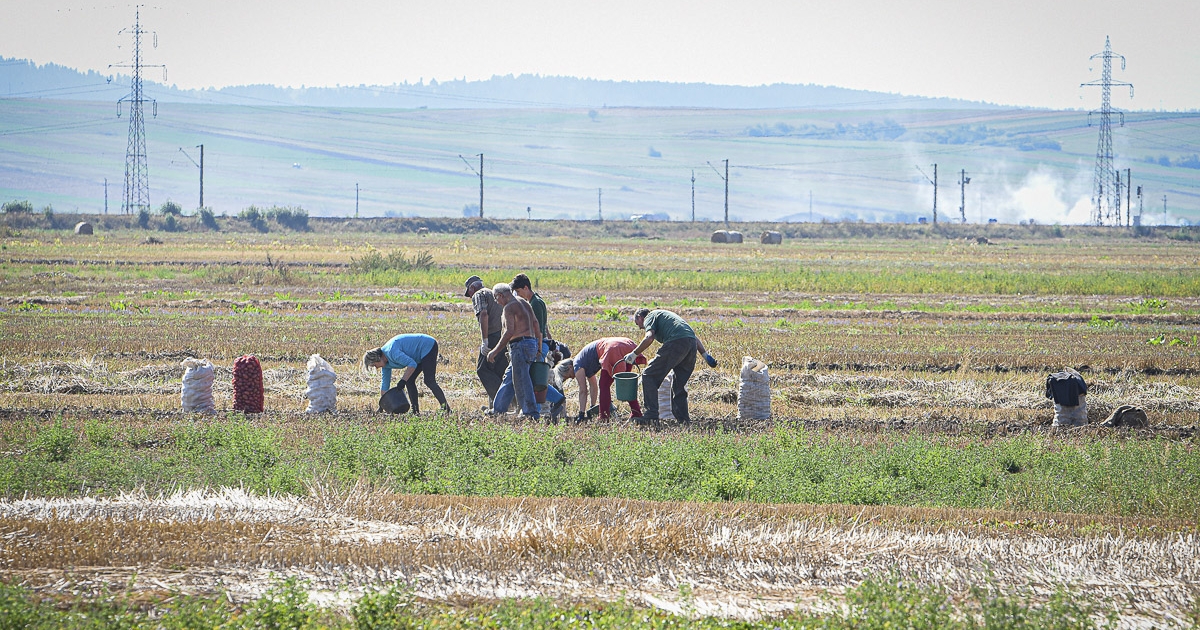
{"x":603,"y":357}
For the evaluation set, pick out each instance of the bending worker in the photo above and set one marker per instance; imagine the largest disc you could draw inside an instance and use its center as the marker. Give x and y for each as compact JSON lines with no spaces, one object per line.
{"x":605,"y":356}
{"x":677,"y":352}
{"x":416,"y":354}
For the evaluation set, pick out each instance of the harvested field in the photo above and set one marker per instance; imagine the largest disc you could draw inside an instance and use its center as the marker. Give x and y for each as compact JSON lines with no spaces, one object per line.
{"x":740,"y":560}
{"x":909,"y":434}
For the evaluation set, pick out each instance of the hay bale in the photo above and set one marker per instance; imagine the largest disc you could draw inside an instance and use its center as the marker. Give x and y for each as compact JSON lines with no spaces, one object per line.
{"x":85,"y":228}
{"x":720,"y":236}
{"x":423,"y":231}
{"x":735,"y":237}
{"x":770,"y":237}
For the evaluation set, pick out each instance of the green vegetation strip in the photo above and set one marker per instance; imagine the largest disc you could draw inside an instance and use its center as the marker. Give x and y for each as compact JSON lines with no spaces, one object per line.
{"x":1086,"y":475}
{"x":886,"y":603}
{"x":889,"y":280}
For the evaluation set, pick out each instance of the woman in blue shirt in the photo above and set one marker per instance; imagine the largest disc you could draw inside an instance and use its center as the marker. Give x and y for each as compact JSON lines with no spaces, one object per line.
{"x":416,"y":353}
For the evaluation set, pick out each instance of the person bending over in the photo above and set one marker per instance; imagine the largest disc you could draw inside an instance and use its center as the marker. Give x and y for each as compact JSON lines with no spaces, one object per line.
{"x":416,"y":354}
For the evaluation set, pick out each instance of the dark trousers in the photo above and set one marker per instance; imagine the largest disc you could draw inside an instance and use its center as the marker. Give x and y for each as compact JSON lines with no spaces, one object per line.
{"x":428,"y":367}
{"x":678,"y":355}
{"x":492,"y":374}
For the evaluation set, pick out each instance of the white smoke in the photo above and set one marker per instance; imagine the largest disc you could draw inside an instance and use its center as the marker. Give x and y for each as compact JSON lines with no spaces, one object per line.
{"x":1041,"y":195}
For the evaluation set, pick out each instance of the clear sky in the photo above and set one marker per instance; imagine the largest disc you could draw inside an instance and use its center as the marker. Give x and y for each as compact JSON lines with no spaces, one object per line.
{"x":1015,"y":52}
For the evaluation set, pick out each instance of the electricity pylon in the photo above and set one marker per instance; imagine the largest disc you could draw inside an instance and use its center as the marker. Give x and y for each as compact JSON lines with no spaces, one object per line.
{"x":137,"y":178}
{"x":1105,"y":197}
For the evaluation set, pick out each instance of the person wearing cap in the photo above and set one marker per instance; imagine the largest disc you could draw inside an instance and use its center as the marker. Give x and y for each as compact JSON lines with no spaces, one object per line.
{"x":415,"y":354}
{"x":606,"y":357}
{"x":521,"y":287}
{"x":676,"y":352}
{"x":490,"y":314}
{"x":523,"y":340}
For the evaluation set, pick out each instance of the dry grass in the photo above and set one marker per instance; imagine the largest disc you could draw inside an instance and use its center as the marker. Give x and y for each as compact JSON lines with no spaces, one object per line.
{"x":740,"y":560}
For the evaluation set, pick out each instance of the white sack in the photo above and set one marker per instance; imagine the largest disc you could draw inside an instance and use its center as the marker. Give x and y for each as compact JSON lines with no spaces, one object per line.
{"x":754,"y":391}
{"x":322,"y":386}
{"x":1071,"y":416}
{"x":196,"y":395}
{"x":664,"y":397}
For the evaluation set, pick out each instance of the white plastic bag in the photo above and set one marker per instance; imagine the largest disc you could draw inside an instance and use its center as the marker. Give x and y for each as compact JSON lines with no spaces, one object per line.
{"x":754,"y":391}
{"x":322,"y":386}
{"x":196,"y":395}
{"x":664,"y":397}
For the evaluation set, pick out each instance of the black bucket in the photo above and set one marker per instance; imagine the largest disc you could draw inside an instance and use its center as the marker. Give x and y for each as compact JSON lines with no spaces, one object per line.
{"x":394,"y":401}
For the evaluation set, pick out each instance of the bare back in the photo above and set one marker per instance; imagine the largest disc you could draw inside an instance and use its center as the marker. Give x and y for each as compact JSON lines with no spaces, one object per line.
{"x":518,"y":318}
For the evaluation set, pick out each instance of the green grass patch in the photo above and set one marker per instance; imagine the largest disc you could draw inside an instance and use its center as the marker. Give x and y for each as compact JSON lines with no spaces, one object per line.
{"x":1104,"y":476}
{"x":876,"y":603}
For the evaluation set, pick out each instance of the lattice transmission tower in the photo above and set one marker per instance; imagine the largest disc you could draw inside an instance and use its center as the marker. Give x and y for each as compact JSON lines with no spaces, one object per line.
{"x":137,"y":178}
{"x":1106,"y":199}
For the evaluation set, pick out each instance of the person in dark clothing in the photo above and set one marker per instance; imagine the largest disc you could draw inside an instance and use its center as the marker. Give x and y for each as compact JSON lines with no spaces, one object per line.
{"x":677,"y":352}
{"x":1068,"y":391}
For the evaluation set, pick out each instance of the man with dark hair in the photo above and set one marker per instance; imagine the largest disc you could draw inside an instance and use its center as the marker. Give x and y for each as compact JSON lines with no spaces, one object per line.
{"x":490,"y":315}
{"x":677,"y":352}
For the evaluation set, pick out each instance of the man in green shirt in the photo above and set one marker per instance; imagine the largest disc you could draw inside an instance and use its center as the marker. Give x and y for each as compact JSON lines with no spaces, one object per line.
{"x":677,"y":352}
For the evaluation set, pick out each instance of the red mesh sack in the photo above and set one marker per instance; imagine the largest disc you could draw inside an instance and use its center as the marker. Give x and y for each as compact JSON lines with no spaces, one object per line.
{"x":247,"y":385}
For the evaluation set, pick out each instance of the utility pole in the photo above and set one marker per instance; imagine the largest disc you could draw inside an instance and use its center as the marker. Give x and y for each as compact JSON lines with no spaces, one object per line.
{"x":1117,"y":199}
{"x":1103,"y":199}
{"x":693,"y":195}
{"x":963,"y":180}
{"x":1128,"y":207}
{"x":528,"y":213}
{"x":810,"y":214}
{"x":480,"y":174}
{"x":1141,"y":207}
{"x":137,"y":179}
{"x":1164,"y":210}
{"x":355,"y":200}
{"x":726,"y":178}
{"x":934,"y":182}
{"x":201,"y":166}
{"x":599,"y":205}
{"x":105,"y":195}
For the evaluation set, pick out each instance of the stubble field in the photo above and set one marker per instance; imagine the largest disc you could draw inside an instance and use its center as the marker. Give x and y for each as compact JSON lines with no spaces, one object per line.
{"x":909,"y":443}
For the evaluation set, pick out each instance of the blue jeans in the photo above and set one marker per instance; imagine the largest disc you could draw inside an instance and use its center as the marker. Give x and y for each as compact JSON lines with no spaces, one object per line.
{"x":504,"y":396}
{"x":520,"y":355}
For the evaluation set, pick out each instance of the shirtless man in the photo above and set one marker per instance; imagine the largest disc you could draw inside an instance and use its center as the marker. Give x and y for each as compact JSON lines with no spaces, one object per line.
{"x":523,"y":339}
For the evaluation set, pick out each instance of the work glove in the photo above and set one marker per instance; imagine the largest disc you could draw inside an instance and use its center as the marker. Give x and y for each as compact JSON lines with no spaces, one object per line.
{"x":484,"y":347}
{"x":630,"y":358}
{"x":710,"y":360}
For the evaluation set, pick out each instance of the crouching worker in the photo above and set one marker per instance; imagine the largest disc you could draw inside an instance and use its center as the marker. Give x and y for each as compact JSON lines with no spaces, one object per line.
{"x":605,"y":357}
{"x":415,"y":354}
{"x":1069,"y":392}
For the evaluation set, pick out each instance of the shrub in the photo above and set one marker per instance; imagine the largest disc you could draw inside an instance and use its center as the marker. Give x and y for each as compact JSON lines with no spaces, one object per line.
{"x":208,"y":219}
{"x":289,"y":217}
{"x":170,"y":224}
{"x":18,"y":207}
{"x":143,"y":218}
{"x":170,"y":208}
{"x":394,"y":261}
{"x":255,"y":218}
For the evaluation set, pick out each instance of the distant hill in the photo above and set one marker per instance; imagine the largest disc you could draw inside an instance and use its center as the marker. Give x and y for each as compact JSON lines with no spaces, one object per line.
{"x":23,"y":79}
